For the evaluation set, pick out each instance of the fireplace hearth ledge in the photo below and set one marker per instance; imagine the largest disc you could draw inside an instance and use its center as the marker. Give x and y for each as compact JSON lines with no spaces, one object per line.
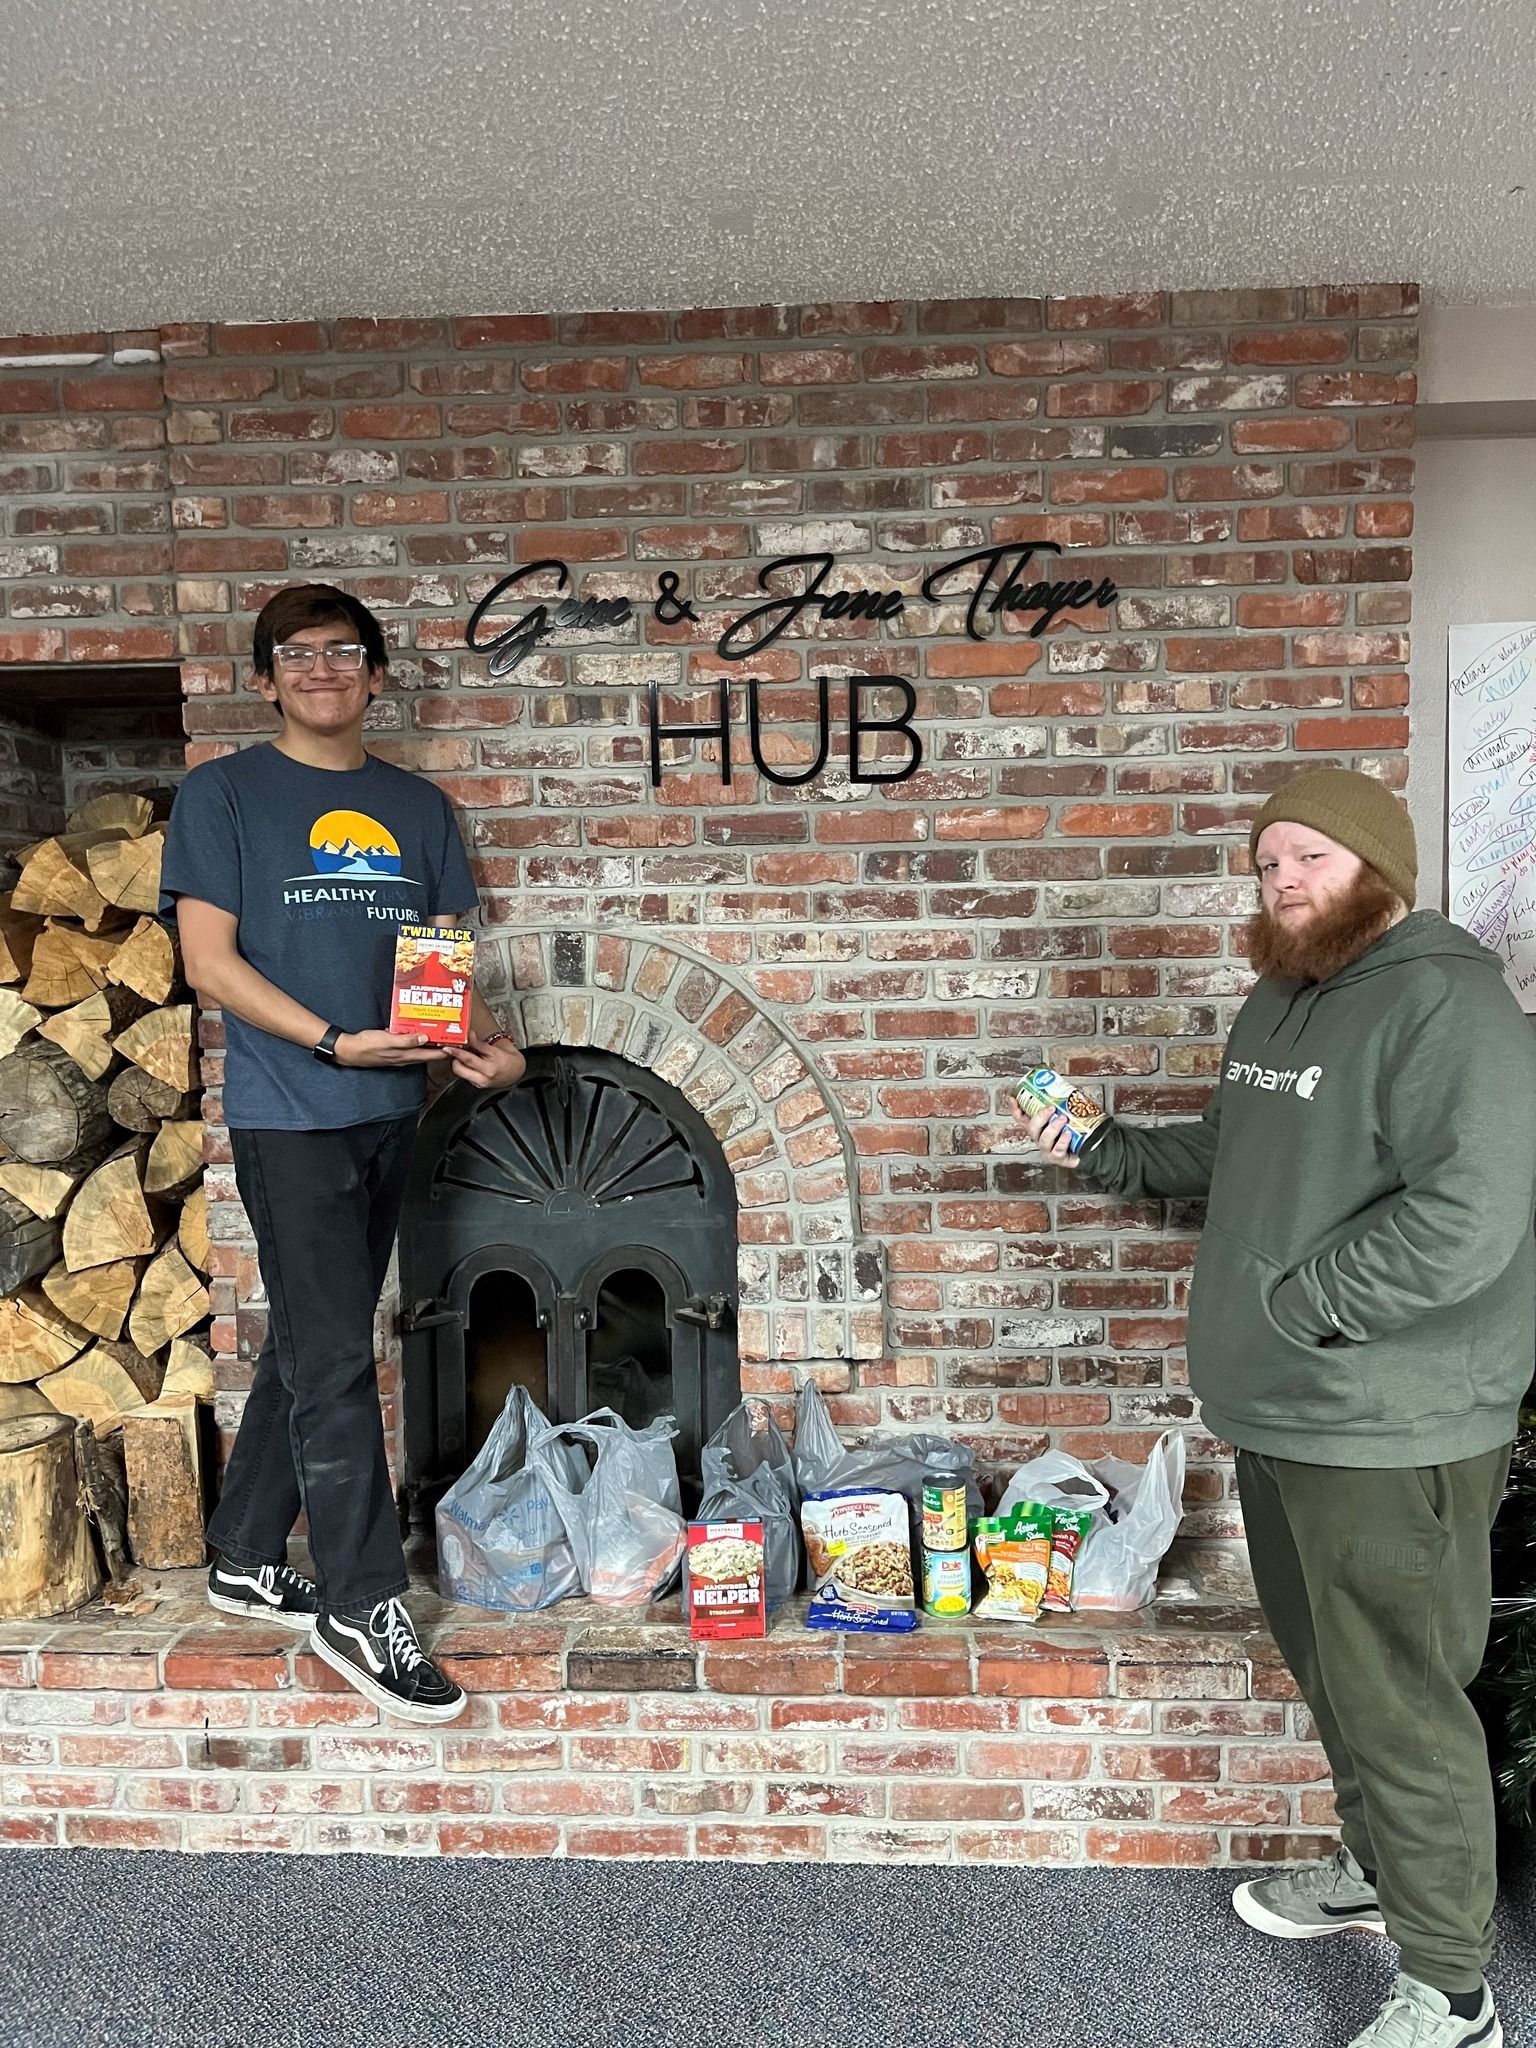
{"x":1168,"y":1736}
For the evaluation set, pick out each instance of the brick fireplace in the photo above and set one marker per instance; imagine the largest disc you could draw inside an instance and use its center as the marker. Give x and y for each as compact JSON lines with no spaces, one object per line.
{"x":575,"y":1236}
{"x":838,"y":977}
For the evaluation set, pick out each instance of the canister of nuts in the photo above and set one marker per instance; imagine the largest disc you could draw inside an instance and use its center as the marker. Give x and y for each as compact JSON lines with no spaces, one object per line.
{"x":943,"y":1511}
{"x":947,"y":1581}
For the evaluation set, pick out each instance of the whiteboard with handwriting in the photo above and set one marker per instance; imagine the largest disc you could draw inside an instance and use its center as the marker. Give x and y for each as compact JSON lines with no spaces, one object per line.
{"x":1491,"y":800}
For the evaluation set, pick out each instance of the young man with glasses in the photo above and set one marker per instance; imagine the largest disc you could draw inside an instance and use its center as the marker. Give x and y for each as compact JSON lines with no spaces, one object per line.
{"x":289,"y":868}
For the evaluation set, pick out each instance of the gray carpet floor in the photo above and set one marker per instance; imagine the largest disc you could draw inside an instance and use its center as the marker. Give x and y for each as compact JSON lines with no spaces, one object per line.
{"x":154,"y":1951}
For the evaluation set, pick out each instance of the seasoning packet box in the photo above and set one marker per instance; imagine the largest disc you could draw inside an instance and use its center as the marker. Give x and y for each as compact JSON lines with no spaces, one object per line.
{"x":434,"y":983}
{"x":724,"y":1590}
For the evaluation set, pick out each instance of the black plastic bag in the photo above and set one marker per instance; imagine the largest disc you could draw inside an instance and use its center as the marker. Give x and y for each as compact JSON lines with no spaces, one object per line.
{"x":887,"y":1463}
{"x":749,"y":1476}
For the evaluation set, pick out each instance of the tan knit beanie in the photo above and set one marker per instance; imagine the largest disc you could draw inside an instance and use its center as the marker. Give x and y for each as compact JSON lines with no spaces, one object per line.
{"x":1358,"y":812}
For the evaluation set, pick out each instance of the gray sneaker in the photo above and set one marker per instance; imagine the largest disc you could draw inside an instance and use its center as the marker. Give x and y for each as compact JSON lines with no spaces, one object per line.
{"x":1319,"y":1898}
{"x":1415,"y":2016}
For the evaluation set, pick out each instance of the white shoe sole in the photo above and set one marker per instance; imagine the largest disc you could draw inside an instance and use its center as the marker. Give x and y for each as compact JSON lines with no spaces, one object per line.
{"x":1259,"y":1916}
{"x":247,"y":1611}
{"x":380,"y":1695}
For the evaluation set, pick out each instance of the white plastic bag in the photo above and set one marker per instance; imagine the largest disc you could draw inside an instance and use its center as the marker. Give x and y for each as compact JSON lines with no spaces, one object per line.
{"x":1056,"y":1481}
{"x":625,"y":1521}
{"x":501,"y":1539}
{"x":1136,"y":1515}
{"x":1117,"y":1566}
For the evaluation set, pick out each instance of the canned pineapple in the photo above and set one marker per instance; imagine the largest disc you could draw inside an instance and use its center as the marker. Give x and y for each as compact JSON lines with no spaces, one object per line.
{"x":946,"y":1581}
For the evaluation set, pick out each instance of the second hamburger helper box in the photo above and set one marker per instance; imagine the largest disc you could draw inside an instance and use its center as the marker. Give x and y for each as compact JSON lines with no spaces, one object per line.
{"x":434,"y":983}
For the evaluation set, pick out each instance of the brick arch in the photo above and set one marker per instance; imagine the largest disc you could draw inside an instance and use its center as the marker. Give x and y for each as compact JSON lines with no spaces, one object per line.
{"x":812,"y":1286}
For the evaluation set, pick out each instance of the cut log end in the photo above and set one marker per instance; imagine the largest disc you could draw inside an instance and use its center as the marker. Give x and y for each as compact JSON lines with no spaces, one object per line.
{"x":162,"y":1450}
{"x":126,"y":872}
{"x":47,"y":1558}
{"x":161,"y":1043}
{"x":138,"y":1102}
{"x":117,"y":811}
{"x":109,"y":1219}
{"x":146,"y":961}
{"x":192,"y":1232}
{"x":175,"y":1158}
{"x":17,"y":1018}
{"x":50,"y":1113}
{"x":36,"y":1338}
{"x":67,"y":964}
{"x":96,"y":1388}
{"x":18,"y":934}
{"x":190,"y":1371}
{"x":97,"y":1298}
{"x":171,"y":1300}
{"x":43,"y":1189}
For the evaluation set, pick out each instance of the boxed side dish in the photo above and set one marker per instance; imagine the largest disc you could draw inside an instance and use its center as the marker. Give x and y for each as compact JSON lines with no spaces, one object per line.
{"x":723,"y":1584}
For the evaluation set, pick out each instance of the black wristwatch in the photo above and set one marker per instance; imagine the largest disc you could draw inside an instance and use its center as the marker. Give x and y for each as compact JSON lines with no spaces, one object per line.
{"x":326,"y":1049}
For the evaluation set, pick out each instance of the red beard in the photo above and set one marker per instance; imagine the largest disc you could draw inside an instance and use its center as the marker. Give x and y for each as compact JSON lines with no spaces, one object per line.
{"x":1328,"y":942}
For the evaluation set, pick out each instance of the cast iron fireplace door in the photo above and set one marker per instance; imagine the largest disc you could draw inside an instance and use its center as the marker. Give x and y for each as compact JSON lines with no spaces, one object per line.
{"x":606,"y":1193}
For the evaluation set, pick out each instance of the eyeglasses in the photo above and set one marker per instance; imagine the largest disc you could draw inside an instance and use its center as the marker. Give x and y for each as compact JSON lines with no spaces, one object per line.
{"x":298,"y":659}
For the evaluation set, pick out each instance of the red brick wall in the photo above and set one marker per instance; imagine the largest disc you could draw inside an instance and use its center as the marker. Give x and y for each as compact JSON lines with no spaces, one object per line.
{"x":85,"y":565}
{"x":1176,"y":1746}
{"x":32,"y":797}
{"x":85,"y":553}
{"x":53,"y":759}
{"x":141,"y":747}
{"x":1063,"y":880}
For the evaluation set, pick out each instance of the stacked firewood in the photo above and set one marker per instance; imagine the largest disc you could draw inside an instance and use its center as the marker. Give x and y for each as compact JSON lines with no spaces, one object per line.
{"x":103,"y":1219}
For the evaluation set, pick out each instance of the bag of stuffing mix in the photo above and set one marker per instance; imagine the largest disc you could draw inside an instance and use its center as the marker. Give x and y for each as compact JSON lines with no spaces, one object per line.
{"x":859,"y":1548}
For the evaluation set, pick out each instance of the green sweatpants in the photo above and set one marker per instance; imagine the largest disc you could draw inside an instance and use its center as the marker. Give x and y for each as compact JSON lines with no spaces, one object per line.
{"x":1377,"y":1588}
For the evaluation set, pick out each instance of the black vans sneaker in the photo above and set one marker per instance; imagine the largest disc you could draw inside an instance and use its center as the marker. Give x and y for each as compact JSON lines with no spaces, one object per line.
{"x":273,"y":1591}
{"x":378,"y":1654}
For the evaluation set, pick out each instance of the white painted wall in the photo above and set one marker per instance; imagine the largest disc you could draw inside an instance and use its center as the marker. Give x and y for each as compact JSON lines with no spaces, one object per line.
{"x":1477,"y":355}
{"x":1474,"y":559}
{"x":1474,"y":527}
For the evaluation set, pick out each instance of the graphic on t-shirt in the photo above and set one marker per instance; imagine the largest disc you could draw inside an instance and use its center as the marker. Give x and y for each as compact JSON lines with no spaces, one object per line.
{"x":352,"y":843}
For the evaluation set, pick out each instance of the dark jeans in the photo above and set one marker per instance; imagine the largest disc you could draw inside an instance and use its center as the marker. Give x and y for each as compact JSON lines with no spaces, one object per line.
{"x":1377,"y":1586}
{"x":324,"y":1206}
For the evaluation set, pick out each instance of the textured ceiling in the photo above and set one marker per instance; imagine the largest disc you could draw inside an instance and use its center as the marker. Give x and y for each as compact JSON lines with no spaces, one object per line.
{"x":258,"y":159}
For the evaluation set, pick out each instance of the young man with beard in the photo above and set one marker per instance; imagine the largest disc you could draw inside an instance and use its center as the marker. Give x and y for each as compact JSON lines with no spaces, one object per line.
{"x":289,"y":868}
{"x":1362,"y":1328}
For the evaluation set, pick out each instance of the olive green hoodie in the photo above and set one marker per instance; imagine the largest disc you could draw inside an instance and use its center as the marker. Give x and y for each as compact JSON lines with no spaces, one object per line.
{"x":1365,"y":1291}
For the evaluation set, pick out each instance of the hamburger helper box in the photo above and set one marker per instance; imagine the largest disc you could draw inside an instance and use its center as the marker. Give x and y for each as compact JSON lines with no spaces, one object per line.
{"x":723,"y":1587}
{"x":434,"y":983}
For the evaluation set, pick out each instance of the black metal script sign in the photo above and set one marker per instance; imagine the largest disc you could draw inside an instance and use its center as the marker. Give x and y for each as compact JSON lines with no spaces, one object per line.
{"x":990,"y":581}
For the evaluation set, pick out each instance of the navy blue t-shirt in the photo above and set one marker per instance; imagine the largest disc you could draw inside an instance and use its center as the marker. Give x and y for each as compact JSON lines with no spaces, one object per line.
{"x":320,"y":866}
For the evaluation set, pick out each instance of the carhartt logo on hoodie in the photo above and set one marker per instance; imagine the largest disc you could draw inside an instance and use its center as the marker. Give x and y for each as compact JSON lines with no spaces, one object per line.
{"x":1278,"y":1080}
